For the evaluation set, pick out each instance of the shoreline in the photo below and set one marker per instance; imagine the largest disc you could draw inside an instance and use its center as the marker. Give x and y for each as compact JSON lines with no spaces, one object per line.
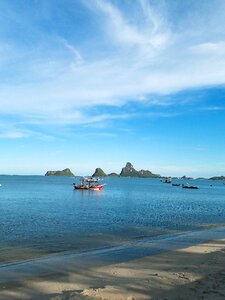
{"x":129,"y":243}
{"x":188,"y":272}
{"x":13,"y":255}
{"x":120,"y":253}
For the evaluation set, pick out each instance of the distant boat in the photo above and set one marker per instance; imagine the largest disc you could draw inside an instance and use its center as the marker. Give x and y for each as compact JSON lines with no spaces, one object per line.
{"x":176,"y":184}
{"x":167,"y":180}
{"x":188,"y":186}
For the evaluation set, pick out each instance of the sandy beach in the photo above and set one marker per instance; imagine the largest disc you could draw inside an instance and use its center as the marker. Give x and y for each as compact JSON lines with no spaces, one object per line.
{"x":196,"y":272}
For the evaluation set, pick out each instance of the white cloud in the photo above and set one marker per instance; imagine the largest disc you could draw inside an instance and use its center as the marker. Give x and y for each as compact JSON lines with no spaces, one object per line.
{"x":121,"y":31}
{"x":16,"y":130}
{"x":14,"y":134}
{"x":209,"y":48}
{"x":149,"y":33}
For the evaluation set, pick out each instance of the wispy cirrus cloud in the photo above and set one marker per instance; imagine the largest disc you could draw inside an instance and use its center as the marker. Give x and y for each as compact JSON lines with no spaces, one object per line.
{"x":148,"y":32}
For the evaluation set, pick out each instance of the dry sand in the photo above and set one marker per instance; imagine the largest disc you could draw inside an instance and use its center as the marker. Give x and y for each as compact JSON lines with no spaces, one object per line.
{"x":196,"y":272}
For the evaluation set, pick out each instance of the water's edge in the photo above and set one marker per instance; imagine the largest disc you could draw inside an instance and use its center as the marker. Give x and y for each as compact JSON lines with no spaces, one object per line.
{"x":101,"y":257}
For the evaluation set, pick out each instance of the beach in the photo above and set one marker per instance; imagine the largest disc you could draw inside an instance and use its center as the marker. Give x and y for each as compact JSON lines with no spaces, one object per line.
{"x":195,"y":272}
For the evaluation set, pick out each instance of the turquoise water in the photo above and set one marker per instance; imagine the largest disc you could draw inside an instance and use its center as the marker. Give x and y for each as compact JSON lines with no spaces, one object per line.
{"x":46,"y":214}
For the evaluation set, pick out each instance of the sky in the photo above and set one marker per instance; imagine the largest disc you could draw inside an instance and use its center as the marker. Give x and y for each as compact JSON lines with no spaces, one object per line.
{"x":97,"y":83}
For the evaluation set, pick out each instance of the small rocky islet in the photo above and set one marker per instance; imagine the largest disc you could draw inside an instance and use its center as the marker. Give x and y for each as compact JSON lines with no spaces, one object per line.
{"x":65,"y":172}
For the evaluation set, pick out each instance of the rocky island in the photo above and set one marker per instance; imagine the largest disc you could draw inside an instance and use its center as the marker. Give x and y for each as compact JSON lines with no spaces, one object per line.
{"x":129,"y":171}
{"x":99,"y":173}
{"x":65,"y":172}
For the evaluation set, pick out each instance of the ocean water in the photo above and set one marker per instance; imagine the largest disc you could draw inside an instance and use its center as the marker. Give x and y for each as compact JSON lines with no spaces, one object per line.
{"x":42,"y":215}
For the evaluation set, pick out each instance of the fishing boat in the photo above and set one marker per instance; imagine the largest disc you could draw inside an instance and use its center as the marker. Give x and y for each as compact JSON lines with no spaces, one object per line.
{"x":89,"y":184}
{"x":188,"y":186}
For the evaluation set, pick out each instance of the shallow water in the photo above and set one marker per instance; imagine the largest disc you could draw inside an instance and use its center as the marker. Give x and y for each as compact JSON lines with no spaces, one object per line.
{"x":42,"y":215}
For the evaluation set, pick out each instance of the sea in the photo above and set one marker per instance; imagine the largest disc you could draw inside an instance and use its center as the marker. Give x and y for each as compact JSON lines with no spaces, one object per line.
{"x":42,"y":215}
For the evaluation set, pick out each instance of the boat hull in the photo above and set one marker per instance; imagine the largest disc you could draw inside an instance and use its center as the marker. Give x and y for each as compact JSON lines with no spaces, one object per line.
{"x":96,"y":187}
{"x":92,"y":188}
{"x":80,"y":187}
{"x":190,"y":187}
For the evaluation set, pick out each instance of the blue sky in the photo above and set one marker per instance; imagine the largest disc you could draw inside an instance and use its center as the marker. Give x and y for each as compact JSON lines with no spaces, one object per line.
{"x":97,"y":83}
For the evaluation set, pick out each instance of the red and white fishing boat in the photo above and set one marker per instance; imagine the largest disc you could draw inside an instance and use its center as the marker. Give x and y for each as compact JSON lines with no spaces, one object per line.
{"x":89,"y":184}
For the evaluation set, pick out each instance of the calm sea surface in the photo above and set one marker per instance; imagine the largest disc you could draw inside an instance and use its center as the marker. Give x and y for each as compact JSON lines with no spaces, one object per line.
{"x":41,"y":215}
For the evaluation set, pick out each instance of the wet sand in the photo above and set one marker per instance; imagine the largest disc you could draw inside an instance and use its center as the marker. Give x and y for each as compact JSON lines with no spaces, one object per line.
{"x":194,"y":272}
{"x":73,"y":243}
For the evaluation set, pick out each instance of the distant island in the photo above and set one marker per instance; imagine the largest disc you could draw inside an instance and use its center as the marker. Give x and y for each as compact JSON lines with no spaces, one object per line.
{"x":217,"y":178}
{"x":65,"y":172}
